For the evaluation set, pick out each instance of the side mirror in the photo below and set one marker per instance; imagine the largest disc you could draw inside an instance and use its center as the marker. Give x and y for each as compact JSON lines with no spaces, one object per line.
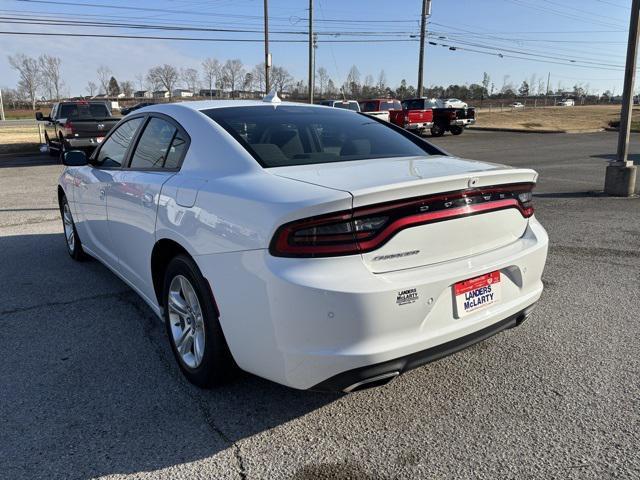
{"x":75,"y":158}
{"x":39,"y":116}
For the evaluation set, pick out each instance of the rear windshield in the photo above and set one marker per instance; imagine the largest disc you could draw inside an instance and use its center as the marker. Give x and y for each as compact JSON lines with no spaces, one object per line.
{"x":348,"y":105}
{"x":82,"y":111}
{"x":291,"y":135}
{"x":390,"y":105}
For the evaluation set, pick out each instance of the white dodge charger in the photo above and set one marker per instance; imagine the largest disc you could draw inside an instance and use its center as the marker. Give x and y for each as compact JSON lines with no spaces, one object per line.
{"x":317,"y":247}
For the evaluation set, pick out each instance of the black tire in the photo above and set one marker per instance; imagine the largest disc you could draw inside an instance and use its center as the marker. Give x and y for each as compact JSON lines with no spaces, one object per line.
{"x":437,"y":130}
{"x":74,"y":249}
{"x":53,"y":151}
{"x":61,"y":151}
{"x":217,"y":365}
{"x":456,"y":130}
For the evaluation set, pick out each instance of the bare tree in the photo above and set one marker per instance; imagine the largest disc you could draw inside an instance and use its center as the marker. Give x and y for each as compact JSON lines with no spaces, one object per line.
{"x":29,"y":71}
{"x":352,"y":85}
{"x":258,"y":77}
{"x":140,"y":81}
{"x":190,"y":78}
{"x":211,"y":73}
{"x":232,"y":74}
{"x":50,"y":68}
{"x":126,"y":87}
{"x":163,"y":76}
{"x":322,"y":77}
{"x":281,"y":79}
{"x":91,"y":88}
{"x":248,"y":81}
{"x":104,"y":75}
{"x":382,"y":82}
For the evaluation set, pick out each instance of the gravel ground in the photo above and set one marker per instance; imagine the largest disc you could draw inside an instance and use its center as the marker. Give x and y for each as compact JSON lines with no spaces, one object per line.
{"x":90,"y":389}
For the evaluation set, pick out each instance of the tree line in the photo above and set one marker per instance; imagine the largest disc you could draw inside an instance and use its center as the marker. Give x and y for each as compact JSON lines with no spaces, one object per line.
{"x":41,"y":78}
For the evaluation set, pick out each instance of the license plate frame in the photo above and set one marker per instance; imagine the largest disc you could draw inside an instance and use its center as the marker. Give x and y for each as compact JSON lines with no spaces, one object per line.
{"x":477,"y":293}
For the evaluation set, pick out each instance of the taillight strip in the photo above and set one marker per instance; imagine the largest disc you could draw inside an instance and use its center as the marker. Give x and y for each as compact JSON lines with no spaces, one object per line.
{"x":433,"y":217}
{"x":287,"y":243}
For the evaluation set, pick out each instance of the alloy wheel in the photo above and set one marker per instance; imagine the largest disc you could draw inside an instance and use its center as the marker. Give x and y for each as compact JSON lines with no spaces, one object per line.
{"x":186,"y":321}
{"x":69,"y":231}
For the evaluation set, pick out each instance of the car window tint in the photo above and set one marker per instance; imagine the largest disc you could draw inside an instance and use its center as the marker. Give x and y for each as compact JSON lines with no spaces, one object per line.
{"x":83,"y":110}
{"x":114,"y":149}
{"x":289,"y":135}
{"x":176,"y":151}
{"x":152,"y":148}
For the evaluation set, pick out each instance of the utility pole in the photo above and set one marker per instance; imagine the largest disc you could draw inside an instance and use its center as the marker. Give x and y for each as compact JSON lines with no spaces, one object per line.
{"x":311,"y":66}
{"x":1,"y":107}
{"x":548,"y":80}
{"x":426,"y":10}
{"x":267,"y":55}
{"x":620,"y":178}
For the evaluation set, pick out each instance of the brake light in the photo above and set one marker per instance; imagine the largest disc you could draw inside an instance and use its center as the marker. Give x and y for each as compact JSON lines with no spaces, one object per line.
{"x":367,"y":228}
{"x":68,"y":128}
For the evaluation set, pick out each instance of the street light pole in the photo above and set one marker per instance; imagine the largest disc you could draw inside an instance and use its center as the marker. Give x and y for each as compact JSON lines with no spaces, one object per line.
{"x":620,"y":178}
{"x":311,"y":66}
{"x":426,"y":11}
{"x":267,"y":55}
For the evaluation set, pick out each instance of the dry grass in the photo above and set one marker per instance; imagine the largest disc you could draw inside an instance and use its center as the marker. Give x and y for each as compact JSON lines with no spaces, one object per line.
{"x":591,"y":117}
{"x":19,"y":138}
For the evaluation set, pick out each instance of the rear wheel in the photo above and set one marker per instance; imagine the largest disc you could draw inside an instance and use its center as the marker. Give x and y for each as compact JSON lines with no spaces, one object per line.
{"x":192,"y":325}
{"x":437,"y":130}
{"x":456,"y":130}
{"x":74,"y":247}
{"x":61,"y":150}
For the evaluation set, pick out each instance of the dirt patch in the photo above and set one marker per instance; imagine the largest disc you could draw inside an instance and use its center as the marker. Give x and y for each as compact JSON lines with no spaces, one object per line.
{"x":19,"y":138}
{"x":591,"y":117}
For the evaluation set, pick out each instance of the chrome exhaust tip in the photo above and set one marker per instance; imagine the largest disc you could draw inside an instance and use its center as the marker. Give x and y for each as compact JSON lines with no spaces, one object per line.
{"x":371,"y":382}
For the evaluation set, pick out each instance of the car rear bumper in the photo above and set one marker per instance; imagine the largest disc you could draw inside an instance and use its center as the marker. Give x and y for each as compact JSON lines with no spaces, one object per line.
{"x":463,"y":122}
{"x":381,"y":373}
{"x":321,"y":323}
{"x":418,"y":126}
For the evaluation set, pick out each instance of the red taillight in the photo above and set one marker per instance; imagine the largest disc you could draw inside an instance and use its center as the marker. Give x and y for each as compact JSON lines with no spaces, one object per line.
{"x":68,"y":128}
{"x":367,"y":228}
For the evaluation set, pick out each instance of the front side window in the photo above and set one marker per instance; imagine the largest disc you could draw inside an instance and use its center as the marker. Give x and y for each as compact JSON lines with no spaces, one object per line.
{"x":295,"y":135}
{"x":152,"y":149}
{"x":114,"y":149}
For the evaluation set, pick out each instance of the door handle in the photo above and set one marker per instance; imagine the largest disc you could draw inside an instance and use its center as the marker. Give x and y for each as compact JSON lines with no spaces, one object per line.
{"x":102,"y":193}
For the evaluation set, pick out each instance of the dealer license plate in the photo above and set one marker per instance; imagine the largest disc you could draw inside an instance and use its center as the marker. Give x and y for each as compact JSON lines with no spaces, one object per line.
{"x":477,"y":293}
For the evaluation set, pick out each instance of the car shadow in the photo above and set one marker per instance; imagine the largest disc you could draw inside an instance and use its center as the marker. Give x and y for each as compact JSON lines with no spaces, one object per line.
{"x":89,"y":383}
{"x":27,"y":160}
{"x":634,"y":157}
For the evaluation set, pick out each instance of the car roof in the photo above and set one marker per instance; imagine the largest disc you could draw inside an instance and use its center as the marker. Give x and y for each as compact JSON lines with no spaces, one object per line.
{"x":201,"y":105}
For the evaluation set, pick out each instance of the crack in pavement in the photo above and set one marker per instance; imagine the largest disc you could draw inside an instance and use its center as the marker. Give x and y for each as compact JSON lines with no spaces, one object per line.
{"x":149,"y":323}
{"x":62,"y":303}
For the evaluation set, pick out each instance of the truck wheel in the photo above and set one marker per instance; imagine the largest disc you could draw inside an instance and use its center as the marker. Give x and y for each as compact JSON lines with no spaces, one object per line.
{"x":61,"y":151}
{"x":456,"y":130}
{"x":437,"y":131}
{"x":53,"y":151}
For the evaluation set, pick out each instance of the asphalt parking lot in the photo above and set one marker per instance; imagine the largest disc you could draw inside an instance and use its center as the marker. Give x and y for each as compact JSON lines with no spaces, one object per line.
{"x":89,"y":387}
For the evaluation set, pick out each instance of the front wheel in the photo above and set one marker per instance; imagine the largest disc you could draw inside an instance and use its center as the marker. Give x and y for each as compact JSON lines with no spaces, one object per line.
{"x":437,"y":130}
{"x":74,"y":247}
{"x":456,"y":130}
{"x":192,"y":325}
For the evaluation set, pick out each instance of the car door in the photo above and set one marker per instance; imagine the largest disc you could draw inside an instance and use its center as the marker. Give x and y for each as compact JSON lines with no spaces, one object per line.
{"x":132,"y":201}
{"x":49,"y":126}
{"x":92,"y":182}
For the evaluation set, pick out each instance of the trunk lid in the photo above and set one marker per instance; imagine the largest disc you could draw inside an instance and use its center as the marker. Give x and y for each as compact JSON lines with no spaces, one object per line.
{"x":374,"y":182}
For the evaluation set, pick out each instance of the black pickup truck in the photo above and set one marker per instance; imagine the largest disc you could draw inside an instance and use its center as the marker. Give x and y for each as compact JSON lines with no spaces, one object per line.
{"x":76,"y":125}
{"x":445,"y":118}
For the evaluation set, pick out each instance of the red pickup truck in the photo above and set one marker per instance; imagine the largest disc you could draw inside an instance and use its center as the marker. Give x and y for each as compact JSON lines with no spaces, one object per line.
{"x":413,"y":116}
{"x":418,"y":114}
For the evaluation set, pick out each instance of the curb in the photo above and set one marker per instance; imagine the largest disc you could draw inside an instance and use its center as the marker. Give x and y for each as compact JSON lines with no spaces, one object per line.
{"x":523,"y":130}
{"x":616,"y":129}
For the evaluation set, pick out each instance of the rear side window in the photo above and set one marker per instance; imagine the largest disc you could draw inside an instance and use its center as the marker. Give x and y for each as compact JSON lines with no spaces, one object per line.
{"x":296,"y":135}
{"x":176,"y":151}
{"x":153,"y":145}
{"x":115,"y":147}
